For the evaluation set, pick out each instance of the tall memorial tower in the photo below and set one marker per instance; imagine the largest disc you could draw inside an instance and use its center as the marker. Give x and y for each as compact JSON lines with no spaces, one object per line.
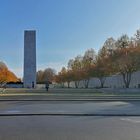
{"x":29,"y":79}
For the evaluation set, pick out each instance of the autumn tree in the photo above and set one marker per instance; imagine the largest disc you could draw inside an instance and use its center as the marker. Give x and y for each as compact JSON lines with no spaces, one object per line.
{"x":6,"y":75}
{"x":59,"y":79}
{"x":39,"y":76}
{"x":122,"y":42}
{"x":3,"y":77}
{"x":103,"y":67}
{"x":76,"y":67}
{"x":126,"y":61}
{"x":137,"y":37}
{"x":69,"y":77}
{"x":45,"y":75}
{"x":87,"y":63}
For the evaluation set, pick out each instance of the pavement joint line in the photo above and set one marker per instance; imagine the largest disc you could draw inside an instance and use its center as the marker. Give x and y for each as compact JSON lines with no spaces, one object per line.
{"x":67,"y":100}
{"x":80,"y":115}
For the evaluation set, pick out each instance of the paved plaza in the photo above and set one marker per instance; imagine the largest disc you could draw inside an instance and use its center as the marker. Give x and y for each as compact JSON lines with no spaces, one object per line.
{"x":23,"y":117}
{"x":69,"y":128}
{"x":83,"y":108}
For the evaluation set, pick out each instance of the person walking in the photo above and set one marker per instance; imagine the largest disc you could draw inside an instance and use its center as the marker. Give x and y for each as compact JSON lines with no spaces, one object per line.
{"x":47,"y":86}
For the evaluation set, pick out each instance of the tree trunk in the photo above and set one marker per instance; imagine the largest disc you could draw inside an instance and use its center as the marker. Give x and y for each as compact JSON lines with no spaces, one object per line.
{"x":127,"y":78}
{"x":86,"y":83}
{"x":102,"y":81}
{"x":62,"y":85}
{"x":77,"y":84}
{"x":68,"y":84}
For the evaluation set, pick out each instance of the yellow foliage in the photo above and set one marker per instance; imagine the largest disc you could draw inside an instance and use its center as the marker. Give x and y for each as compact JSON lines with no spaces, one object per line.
{"x":7,"y":76}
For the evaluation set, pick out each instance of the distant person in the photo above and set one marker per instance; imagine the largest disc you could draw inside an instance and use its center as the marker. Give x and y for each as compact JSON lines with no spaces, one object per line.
{"x":33,"y":85}
{"x":47,"y":86}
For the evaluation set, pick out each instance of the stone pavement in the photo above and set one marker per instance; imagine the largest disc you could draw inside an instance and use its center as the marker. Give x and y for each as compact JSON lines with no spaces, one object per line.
{"x":89,"y":108}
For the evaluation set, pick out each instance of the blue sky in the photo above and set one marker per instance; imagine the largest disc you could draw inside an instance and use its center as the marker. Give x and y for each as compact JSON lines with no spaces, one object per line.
{"x":65,"y":28}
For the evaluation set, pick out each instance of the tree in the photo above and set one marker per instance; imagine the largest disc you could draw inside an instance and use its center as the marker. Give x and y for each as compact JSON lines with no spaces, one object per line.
{"x":49,"y":74}
{"x":87,"y":62}
{"x":68,"y":77}
{"x":3,"y":77}
{"x":108,"y":47}
{"x":123,"y":42}
{"x":102,"y":69}
{"x":137,"y":37}
{"x":126,"y":61}
{"x":46,"y":75}
{"x":76,"y":69}
{"x":61,"y":77}
{"x":39,"y":76}
{"x":103,"y":65}
{"x":6,"y":75}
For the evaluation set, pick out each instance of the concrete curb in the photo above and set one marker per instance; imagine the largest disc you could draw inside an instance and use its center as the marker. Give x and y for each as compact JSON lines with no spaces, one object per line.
{"x":66,"y":100}
{"x":82,"y":115}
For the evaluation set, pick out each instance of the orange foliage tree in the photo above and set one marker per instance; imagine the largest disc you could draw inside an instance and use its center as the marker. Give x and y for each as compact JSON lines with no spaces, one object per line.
{"x":6,"y":75}
{"x":126,"y":61}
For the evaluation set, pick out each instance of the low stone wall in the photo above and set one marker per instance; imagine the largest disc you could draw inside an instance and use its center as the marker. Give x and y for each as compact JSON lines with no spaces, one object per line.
{"x":38,"y":86}
{"x":42,"y":86}
{"x":114,"y":81}
{"x":14,"y":85}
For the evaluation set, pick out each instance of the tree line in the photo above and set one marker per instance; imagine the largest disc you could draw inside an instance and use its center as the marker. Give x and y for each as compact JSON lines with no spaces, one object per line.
{"x":120,"y":56}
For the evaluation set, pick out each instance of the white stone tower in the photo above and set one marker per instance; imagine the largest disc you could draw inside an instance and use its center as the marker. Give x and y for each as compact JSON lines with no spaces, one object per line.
{"x":29,"y":79}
